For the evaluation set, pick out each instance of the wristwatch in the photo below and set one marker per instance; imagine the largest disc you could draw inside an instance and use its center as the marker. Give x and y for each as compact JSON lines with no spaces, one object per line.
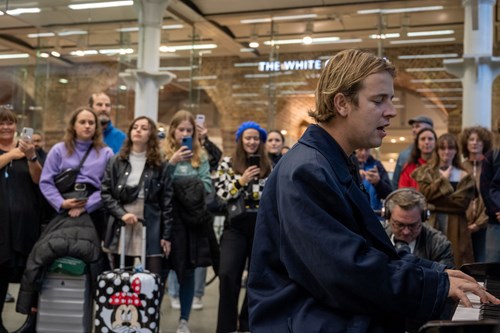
{"x":33,"y":159}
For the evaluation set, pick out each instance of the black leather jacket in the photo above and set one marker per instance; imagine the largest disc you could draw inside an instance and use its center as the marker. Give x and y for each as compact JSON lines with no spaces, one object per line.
{"x":157,"y":199}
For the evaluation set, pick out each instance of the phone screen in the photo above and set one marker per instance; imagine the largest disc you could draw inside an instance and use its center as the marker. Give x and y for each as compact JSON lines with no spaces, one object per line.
{"x":27,"y":133}
{"x":188,"y":142}
{"x":254,"y":160}
{"x":200,"y":119}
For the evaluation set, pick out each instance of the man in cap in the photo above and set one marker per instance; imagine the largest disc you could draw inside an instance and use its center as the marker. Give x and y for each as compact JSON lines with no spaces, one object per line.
{"x":417,"y":123}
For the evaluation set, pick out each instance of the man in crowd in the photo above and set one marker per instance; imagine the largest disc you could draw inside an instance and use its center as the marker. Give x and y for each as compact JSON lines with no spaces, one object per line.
{"x":417,"y":123}
{"x":321,"y":260}
{"x":113,"y":137}
{"x":405,"y":213}
{"x":39,"y":143}
{"x":374,"y":176}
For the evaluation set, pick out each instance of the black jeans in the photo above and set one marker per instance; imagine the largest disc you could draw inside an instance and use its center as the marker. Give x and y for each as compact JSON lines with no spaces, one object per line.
{"x":235,"y":249}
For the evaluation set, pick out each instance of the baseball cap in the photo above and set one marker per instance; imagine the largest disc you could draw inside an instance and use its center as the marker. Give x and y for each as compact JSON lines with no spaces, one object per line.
{"x":421,"y":119}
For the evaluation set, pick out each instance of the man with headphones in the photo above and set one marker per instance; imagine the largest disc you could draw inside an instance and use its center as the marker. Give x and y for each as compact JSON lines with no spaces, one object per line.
{"x":405,"y":211}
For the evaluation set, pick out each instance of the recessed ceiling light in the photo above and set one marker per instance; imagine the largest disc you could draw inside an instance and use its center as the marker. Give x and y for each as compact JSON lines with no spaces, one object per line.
{"x":419,"y":41}
{"x":426,"y":69}
{"x":19,"y":11}
{"x":41,"y":34}
{"x":322,"y":40}
{"x":279,"y":18}
{"x":384,"y":36}
{"x":399,"y":10}
{"x":101,"y":5}
{"x":428,"y":56}
{"x":14,"y":56}
{"x":55,"y":54}
{"x":72,"y":32}
{"x":430,"y":33}
{"x":187,"y":47}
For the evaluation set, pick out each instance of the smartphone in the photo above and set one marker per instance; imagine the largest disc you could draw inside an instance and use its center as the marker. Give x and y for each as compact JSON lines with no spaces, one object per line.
{"x":27,"y":134}
{"x":200,"y":119}
{"x":188,"y":142}
{"x":253,"y":160}
{"x":82,"y":199}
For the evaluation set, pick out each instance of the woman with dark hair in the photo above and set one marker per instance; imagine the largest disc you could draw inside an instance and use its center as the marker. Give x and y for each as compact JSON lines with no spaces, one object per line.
{"x":475,"y":142}
{"x":192,"y":229}
{"x":240,"y":175}
{"x":20,"y":203}
{"x":274,"y":143}
{"x":82,"y":134}
{"x":449,"y":190}
{"x":136,"y":188}
{"x":425,"y":141}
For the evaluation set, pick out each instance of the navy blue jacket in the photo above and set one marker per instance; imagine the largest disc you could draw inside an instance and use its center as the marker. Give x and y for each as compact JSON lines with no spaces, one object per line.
{"x":321,"y":260}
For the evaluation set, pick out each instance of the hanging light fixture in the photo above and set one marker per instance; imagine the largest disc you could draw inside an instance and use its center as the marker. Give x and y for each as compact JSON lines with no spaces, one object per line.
{"x":254,"y":39}
{"x":308,"y":36}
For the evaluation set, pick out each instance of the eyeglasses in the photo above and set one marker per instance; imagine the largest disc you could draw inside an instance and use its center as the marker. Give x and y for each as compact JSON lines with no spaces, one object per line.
{"x":410,"y":226}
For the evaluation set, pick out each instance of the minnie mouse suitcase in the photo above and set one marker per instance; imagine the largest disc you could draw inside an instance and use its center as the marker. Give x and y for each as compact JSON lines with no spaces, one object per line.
{"x":128,"y":300}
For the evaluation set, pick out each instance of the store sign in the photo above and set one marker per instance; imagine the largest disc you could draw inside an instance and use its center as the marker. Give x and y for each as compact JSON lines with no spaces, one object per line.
{"x":290,"y":65}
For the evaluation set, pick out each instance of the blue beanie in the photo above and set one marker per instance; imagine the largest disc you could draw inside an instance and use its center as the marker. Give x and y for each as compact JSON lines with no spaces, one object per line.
{"x":250,"y":124}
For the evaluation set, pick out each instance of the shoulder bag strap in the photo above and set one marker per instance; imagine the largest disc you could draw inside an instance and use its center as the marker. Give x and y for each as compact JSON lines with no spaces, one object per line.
{"x":84,"y":157}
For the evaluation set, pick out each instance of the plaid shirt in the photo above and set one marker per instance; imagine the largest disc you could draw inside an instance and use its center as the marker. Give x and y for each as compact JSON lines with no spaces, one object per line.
{"x":226,"y":188}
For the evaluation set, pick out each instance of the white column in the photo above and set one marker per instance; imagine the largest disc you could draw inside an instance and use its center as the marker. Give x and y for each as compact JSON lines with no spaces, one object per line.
{"x":147,"y":79}
{"x":478,"y":68}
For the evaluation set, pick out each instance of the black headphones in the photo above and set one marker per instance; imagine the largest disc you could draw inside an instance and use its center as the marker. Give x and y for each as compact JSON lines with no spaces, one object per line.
{"x":386,"y":213}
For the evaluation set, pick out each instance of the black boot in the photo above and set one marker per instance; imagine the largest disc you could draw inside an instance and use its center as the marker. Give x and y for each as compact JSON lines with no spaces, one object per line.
{"x":29,"y":325}
{"x":3,"y":329}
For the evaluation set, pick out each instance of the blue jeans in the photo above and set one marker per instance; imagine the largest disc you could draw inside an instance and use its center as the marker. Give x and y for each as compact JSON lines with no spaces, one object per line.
{"x":185,"y":291}
{"x":493,"y":242}
{"x":200,"y":276}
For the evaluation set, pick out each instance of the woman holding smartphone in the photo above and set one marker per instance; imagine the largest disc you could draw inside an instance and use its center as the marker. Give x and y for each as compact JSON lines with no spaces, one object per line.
{"x":242,"y":174}
{"x":188,"y":166}
{"x":20,"y":203}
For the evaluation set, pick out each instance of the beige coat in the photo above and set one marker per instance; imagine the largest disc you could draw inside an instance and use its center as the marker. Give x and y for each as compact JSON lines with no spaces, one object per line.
{"x":448,"y":207}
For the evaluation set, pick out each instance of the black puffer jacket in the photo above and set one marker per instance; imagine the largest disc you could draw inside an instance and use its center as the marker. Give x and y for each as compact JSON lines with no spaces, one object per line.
{"x":63,"y":236}
{"x":157,"y":199}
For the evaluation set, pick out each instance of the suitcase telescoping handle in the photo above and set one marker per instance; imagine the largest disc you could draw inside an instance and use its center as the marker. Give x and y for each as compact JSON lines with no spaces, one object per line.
{"x":122,"y":245}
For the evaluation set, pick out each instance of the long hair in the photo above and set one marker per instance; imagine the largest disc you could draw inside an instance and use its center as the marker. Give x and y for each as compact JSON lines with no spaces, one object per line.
{"x":483,"y":134}
{"x":446,"y":140}
{"x":70,"y":134}
{"x":170,"y":144}
{"x":240,"y":162}
{"x":344,"y":73}
{"x":416,"y":153}
{"x":153,"y":155}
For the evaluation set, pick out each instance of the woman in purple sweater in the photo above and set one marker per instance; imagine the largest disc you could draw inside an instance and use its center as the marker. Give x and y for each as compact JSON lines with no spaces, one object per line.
{"x":81,"y":133}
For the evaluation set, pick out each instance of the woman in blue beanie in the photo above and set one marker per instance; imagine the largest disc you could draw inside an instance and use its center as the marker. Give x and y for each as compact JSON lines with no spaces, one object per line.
{"x":240,"y":177}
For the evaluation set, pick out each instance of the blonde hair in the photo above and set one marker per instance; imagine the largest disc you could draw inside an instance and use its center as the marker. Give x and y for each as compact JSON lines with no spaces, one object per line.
{"x":170,"y":144}
{"x":344,"y":74}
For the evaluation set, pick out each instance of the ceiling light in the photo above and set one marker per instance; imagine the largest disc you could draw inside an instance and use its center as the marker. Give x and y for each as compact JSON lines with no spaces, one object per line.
{"x":63,"y":81}
{"x":430,"y":33}
{"x":279,"y":18}
{"x":101,"y":5}
{"x":1,"y":13}
{"x":393,"y":140}
{"x":72,"y":32}
{"x":439,"y":90}
{"x":307,"y":40}
{"x":428,"y":56}
{"x":55,"y":54}
{"x":321,"y":40}
{"x":435,"y":80}
{"x":124,"y":87}
{"x":246,"y":64}
{"x":176,"y":68}
{"x":400,"y":10}
{"x":41,"y":34}
{"x":384,"y":36}
{"x":187,"y":47}
{"x":14,"y":56}
{"x":245,"y":95}
{"x":417,"y":41}
{"x":207,"y":77}
{"x":164,"y":27}
{"x":308,"y":33}
{"x":442,"y":98}
{"x":402,"y":138}
{"x":116,"y":51}
{"x":81,"y":53}
{"x":254,"y":39}
{"x":448,"y":106}
{"x":44,"y":55}
{"x":19,"y":11}
{"x":426,"y":69}
{"x":254,"y":44}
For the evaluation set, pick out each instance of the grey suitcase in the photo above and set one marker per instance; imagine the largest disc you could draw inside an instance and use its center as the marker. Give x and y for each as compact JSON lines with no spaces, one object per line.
{"x":64,"y":304}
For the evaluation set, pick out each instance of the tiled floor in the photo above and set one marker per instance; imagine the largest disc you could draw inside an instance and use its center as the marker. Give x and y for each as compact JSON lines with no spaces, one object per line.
{"x":201,"y":321}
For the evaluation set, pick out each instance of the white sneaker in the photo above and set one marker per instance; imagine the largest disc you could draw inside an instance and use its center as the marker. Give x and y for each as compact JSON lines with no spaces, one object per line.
{"x":197,"y":303}
{"x":183,"y":327}
{"x":174,"y":303}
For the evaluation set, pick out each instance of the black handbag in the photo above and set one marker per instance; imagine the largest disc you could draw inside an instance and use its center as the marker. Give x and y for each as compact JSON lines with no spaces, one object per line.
{"x":65,"y":181}
{"x":236,"y":207}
